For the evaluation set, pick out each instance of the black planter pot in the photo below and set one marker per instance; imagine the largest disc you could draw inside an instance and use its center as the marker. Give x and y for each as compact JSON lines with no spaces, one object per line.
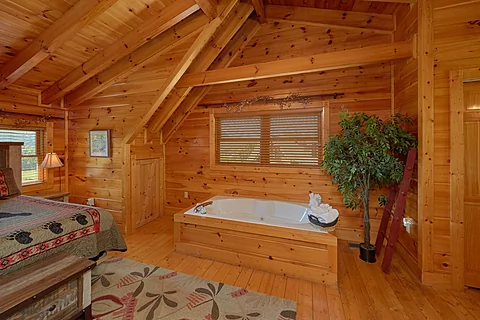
{"x":367,"y":254}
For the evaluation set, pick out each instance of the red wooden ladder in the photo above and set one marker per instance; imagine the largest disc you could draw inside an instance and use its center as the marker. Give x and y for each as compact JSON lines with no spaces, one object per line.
{"x":398,"y":196}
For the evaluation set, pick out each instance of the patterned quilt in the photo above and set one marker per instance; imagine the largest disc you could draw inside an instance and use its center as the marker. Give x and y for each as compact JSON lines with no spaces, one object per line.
{"x":33,"y":228}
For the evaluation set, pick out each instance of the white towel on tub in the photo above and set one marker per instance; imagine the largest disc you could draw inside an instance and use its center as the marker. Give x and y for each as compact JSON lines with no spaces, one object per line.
{"x":324,"y":213}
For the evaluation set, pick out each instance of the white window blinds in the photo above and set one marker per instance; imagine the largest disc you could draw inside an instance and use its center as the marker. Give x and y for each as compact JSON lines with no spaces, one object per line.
{"x":269,"y":140}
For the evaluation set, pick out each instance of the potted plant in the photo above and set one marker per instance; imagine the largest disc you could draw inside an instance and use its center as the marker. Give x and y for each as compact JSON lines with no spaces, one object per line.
{"x":366,"y":155}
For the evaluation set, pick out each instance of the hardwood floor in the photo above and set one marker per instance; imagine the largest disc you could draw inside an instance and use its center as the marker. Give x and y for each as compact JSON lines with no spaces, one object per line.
{"x":363,"y":292}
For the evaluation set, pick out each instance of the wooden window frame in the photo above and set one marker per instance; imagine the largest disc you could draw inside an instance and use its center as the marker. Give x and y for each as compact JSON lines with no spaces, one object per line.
{"x":324,"y":132}
{"x":47,"y":182}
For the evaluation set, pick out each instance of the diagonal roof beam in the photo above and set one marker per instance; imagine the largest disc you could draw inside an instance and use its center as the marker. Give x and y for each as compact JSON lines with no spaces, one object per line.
{"x":380,"y":23}
{"x":49,"y":40}
{"x":260,"y":10}
{"x":307,"y":64}
{"x":209,"y":7}
{"x":202,"y":40}
{"x":151,"y":28}
{"x":226,"y":57}
{"x":202,"y":63}
{"x":167,"y":41}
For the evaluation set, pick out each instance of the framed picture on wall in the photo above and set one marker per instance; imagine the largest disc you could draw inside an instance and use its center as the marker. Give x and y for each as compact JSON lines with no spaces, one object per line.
{"x":100,"y":143}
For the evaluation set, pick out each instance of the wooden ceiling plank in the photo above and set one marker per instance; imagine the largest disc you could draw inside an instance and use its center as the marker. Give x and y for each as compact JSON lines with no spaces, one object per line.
{"x":315,"y":63}
{"x":381,"y":23}
{"x":49,"y":40}
{"x":167,"y":41}
{"x":201,"y":41}
{"x":209,"y":7}
{"x":151,"y":28}
{"x":233,"y":23}
{"x":226,"y":57}
{"x":260,"y":10}
{"x":393,"y":1}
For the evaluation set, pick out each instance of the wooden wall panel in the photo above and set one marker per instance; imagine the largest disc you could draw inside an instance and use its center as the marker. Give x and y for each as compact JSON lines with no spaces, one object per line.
{"x":100,"y":178}
{"x":103,"y":178}
{"x":405,"y":101}
{"x":456,"y":36}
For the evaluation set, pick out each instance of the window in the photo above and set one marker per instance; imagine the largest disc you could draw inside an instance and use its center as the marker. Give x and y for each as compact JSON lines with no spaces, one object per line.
{"x":286,"y":140}
{"x":33,"y":150}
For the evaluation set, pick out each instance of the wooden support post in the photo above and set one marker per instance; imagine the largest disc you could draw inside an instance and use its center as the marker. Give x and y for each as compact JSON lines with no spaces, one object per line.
{"x":457,"y":179}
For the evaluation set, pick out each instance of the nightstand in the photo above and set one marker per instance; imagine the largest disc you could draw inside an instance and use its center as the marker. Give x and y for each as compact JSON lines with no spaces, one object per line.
{"x":55,"y":196}
{"x":55,"y":288}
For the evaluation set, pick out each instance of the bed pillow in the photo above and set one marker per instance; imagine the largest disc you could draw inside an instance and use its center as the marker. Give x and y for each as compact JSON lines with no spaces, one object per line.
{"x":8,"y":186}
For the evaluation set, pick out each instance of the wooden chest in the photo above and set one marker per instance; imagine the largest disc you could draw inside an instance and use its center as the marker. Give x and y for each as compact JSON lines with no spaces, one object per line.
{"x":57,"y":288}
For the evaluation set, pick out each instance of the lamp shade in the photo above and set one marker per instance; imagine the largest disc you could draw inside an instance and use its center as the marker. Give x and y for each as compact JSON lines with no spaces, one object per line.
{"x":51,"y":161}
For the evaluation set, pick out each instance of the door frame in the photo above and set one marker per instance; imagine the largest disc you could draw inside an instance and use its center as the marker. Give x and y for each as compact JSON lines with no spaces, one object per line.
{"x":457,"y":173}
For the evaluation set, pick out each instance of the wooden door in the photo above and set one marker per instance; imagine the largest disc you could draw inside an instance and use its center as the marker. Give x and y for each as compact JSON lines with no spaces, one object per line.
{"x":472,"y":183}
{"x":146,"y":193}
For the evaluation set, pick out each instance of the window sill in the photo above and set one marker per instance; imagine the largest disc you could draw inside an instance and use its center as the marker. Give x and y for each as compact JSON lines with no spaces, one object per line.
{"x":33,"y":183}
{"x":269,"y":169}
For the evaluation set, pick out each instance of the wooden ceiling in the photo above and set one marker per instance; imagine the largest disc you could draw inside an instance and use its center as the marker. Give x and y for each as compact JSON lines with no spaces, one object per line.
{"x":21,"y":21}
{"x":76,"y":49}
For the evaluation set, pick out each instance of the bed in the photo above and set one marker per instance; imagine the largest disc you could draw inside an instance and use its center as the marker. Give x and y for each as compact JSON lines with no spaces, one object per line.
{"x":32,"y":229}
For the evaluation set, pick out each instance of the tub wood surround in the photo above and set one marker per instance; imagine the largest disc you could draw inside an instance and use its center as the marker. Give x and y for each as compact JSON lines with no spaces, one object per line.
{"x":295,"y":253}
{"x":113,"y":67}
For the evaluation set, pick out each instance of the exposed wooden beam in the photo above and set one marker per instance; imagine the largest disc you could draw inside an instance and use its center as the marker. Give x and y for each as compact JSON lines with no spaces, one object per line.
{"x":382,"y":23}
{"x":167,"y":41}
{"x":209,"y":7}
{"x":226,"y":57}
{"x":232,"y":24}
{"x":307,"y":64}
{"x":204,"y":37}
{"x":50,"y":39}
{"x":151,"y":28}
{"x":260,"y":10}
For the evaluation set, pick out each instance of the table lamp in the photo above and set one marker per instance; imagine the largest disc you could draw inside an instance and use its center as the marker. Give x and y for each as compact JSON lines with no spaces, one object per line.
{"x":53,"y":161}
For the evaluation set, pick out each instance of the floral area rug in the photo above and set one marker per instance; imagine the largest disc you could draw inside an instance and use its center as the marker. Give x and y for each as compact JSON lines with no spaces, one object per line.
{"x":128,"y":290}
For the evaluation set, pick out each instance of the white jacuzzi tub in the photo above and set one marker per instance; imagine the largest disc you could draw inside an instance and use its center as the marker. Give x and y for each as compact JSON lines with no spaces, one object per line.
{"x":273,"y":236}
{"x":267,"y":212}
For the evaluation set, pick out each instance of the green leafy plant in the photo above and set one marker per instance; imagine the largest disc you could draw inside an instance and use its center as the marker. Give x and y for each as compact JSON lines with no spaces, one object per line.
{"x":365,"y":155}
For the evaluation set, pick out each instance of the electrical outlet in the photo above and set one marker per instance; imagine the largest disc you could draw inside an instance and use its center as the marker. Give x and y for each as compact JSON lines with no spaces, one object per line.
{"x":185,"y":195}
{"x":91,"y":201}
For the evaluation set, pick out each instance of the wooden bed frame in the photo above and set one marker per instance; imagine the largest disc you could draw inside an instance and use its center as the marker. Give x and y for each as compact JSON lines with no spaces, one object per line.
{"x":11,"y":157}
{"x":295,"y":253}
